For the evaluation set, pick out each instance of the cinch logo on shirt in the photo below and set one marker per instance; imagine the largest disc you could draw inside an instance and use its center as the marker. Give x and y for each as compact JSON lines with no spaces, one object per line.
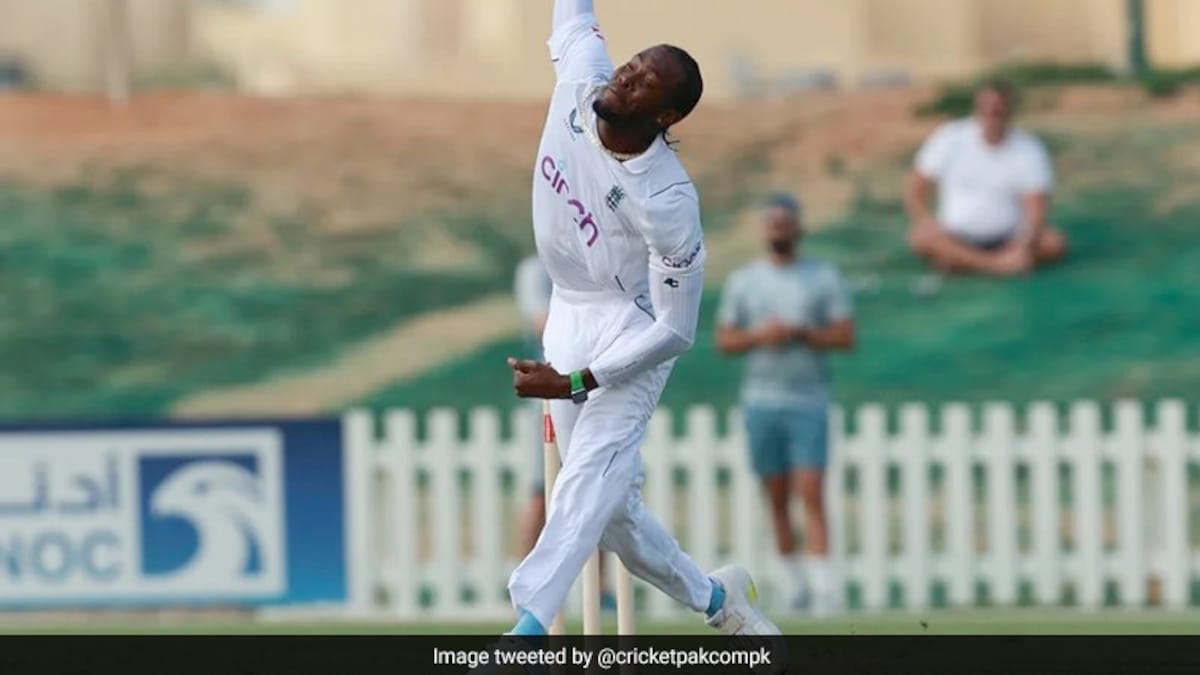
{"x":584,"y":218}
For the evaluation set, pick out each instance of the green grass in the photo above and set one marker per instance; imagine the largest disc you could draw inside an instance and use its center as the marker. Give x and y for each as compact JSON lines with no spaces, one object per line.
{"x":941,"y":622}
{"x":109,"y":311}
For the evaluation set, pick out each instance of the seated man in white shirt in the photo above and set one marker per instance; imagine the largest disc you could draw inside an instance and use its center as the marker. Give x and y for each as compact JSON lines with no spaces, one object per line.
{"x":993,"y":184}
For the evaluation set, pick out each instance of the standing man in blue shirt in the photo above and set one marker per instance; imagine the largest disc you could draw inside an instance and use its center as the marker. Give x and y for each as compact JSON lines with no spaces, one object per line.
{"x":785,"y":311}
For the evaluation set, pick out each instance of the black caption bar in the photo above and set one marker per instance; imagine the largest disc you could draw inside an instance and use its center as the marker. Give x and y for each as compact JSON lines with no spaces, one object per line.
{"x":643,"y":655}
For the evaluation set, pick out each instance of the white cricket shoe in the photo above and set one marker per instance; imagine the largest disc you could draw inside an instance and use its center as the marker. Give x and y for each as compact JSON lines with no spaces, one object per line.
{"x":740,"y":615}
{"x":741,"y":618}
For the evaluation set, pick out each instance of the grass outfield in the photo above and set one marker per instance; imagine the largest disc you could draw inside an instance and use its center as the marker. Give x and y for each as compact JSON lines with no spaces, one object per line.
{"x":947,"y":622}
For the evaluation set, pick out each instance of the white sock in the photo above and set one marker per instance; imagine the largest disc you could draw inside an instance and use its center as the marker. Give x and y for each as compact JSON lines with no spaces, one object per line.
{"x":798,"y":571}
{"x":820,"y":575}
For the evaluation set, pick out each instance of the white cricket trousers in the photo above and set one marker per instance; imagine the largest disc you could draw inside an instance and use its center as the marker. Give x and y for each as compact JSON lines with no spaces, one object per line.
{"x":597,"y":497}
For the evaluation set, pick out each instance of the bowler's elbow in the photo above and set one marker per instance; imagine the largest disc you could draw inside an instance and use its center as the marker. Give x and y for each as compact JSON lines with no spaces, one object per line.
{"x":677,"y":342}
{"x":683,"y":344}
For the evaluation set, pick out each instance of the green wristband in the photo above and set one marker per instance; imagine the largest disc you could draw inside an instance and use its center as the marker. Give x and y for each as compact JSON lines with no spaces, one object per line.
{"x":579,"y":393}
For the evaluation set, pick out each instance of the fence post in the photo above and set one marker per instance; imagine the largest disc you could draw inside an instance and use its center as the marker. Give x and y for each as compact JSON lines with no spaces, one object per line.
{"x":1047,"y":546}
{"x":913,"y":448}
{"x":1083,"y":449}
{"x":835,"y":499}
{"x":1173,"y":468}
{"x":999,"y":426}
{"x":956,"y":438}
{"x":872,"y":439}
{"x":1128,"y":444}
{"x":441,"y":450}
{"x":487,"y":509}
{"x":398,"y":509}
{"x":703,"y":504}
{"x":358,"y":454}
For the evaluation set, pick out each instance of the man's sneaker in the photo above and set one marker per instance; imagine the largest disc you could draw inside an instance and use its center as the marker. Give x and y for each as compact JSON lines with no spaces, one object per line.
{"x":741,"y":618}
{"x":800,"y":600}
{"x":740,"y":614}
{"x":824,"y":605}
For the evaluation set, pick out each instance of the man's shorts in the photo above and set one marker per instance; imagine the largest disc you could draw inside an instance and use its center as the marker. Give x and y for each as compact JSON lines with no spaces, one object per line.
{"x":785,"y":438}
{"x":988,"y":243}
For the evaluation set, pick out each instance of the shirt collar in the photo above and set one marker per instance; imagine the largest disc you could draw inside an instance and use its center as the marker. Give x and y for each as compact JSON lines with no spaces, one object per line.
{"x":643,"y":162}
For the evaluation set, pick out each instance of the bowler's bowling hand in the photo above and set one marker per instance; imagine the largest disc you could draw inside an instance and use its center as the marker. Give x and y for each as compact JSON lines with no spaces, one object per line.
{"x":538,"y":380}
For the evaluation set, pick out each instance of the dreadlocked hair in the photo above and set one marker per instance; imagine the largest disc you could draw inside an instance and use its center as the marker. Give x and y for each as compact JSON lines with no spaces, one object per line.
{"x":685,"y":97}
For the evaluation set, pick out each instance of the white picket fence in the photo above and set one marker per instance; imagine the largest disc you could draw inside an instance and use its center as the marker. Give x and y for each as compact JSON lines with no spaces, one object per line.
{"x":1038,"y":508}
